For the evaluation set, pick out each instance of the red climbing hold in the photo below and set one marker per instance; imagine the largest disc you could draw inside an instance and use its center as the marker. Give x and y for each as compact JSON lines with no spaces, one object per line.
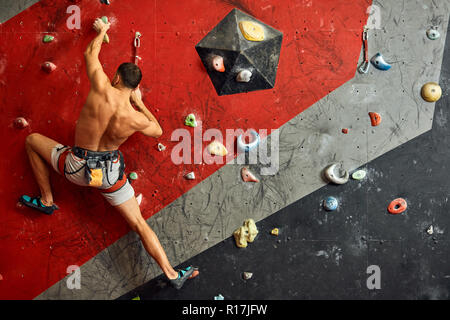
{"x":375,"y":118}
{"x":48,"y":66}
{"x":345,"y":131}
{"x":1,"y":277}
{"x":20,"y":123}
{"x":397,"y":206}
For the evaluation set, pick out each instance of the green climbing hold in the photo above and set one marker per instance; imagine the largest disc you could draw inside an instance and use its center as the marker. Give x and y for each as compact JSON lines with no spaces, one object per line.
{"x":48,"y":39}
{"x":133,"y":176}
{"x":105,"y":19}
{"x":359,"y":175}
{"x":137,"y":298}
{"x":190,"y":120}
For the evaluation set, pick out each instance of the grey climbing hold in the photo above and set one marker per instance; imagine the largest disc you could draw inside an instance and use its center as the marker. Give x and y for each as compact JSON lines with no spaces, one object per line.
{"x":330,"y":204}
{"x":335,"y":176}
{"x":359,"y":175}
{"x":433,"y":33}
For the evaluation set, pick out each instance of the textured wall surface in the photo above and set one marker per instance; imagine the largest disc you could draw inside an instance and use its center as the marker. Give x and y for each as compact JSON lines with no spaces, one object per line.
{"x":321,"y":45}
{"x":212,"y":210}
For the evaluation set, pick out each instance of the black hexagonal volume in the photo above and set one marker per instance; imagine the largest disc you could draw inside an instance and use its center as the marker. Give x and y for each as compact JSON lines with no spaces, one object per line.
{"x":241,"y":54}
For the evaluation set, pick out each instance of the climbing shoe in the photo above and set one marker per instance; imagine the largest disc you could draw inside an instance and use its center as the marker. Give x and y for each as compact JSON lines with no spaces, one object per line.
{"x":37,"y":204}
{"x":183,"y":275}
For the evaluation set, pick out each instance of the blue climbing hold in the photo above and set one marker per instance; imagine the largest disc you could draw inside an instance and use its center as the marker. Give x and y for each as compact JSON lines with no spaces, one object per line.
{"x":379,"y":62}
{"x":330,"y":204}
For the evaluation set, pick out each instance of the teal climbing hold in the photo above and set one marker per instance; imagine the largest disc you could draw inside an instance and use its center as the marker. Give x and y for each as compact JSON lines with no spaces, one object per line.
{"x":48,"y":38}
{"x":104,"y":19}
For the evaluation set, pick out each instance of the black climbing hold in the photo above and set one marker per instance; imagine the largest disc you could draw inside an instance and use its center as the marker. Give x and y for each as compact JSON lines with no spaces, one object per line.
{"x":260,"y":58}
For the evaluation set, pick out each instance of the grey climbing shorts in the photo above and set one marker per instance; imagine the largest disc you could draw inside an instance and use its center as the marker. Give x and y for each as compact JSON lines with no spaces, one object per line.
{"x":74,"y":169}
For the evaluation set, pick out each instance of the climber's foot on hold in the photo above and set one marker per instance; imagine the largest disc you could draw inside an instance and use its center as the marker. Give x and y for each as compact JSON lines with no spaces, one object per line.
{"x":183,"y":275}
{"x":36,"y":203}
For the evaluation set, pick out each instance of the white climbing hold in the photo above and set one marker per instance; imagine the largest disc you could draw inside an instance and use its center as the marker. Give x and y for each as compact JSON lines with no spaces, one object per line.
{"x":244,"y":76}
{"x":430,"y":230}
{"x":161,"y":147}
{"x":139,"y":198}
{"x":338,"y":178}
{"x":247,"y":275}
{"x":245,"y":147}
{"x":190,"y":176}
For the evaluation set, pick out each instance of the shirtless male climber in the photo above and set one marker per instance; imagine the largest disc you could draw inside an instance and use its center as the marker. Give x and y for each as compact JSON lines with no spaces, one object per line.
{"x":106,"y":121}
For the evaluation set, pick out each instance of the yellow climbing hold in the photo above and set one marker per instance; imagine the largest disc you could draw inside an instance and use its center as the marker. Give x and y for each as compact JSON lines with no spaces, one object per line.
{"x":246,"y":233}
{"x":252,"y":31}
{"x":275,"y":231}
{"x":431,"y":92}
{"x":217,"y":149}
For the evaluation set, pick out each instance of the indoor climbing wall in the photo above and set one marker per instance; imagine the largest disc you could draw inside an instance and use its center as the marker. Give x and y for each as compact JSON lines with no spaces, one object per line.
{"x":320,"y":50}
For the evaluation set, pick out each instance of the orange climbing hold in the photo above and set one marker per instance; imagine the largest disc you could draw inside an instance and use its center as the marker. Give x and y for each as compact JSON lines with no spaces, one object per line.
{"x":48,"y":66}
{"x":397,"y":206}
{"x":375,"y":118}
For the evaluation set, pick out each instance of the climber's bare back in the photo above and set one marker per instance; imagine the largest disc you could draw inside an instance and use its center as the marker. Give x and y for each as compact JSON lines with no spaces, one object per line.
{"x":106,"y":120}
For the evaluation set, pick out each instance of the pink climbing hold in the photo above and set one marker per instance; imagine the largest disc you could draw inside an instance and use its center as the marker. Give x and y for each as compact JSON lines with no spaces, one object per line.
{"x":48,"y":67}
{"x":248,"y":176}
{"x":20,"y":123}
{"x":217,"y":63}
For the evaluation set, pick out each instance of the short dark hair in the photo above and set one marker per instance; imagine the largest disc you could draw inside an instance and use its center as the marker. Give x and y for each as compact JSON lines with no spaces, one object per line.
{"x":130,"y":74}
